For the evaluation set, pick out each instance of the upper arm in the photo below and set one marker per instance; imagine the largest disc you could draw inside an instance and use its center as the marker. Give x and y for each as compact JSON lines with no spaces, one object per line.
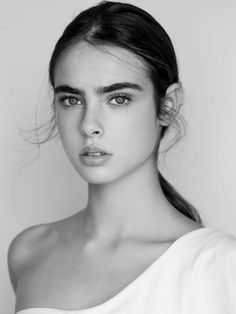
{"x":21,"y":251}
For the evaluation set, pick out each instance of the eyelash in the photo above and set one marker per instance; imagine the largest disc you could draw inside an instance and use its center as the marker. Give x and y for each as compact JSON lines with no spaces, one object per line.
{"x":125,"y":96}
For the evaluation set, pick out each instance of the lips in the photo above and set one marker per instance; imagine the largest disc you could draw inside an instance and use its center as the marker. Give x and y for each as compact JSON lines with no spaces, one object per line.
{"x":93,"y":149}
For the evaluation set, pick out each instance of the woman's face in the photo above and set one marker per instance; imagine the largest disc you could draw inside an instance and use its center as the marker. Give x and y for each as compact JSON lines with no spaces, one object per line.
{"x":120,"y":120}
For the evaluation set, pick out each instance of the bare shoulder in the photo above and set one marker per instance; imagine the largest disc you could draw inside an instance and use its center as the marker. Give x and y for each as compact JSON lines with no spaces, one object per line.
{"x":37,"y":241}
{"x":23,"y":248}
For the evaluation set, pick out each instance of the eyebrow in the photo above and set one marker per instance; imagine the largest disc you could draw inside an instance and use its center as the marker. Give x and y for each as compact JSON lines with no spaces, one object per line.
{"x":99,"y":90}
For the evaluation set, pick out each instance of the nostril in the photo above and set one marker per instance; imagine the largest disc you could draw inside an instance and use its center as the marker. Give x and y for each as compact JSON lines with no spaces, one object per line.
{"x":89,"y":132}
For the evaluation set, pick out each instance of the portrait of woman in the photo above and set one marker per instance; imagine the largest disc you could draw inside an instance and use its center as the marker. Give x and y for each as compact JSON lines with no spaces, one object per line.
{"x":138,"y":246}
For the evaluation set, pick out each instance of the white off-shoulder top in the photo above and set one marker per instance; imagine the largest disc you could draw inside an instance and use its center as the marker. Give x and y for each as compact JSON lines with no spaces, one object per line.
{"x":195,"y":275}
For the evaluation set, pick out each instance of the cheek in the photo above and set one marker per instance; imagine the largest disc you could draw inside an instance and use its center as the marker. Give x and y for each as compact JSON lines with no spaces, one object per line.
{"x":68,"y":131}
{"x":141,"y":136}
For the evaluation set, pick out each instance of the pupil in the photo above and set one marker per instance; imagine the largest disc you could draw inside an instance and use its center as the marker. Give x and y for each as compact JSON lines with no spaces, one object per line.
{"x":120,"y":100}
{"x":72,"y":101}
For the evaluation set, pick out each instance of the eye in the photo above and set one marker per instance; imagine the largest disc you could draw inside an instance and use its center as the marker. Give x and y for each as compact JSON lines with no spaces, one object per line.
{"x":121,"y":100}
{"x":69,"y":101}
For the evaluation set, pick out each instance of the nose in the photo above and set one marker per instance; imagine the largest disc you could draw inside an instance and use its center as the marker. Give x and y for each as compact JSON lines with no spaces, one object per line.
{"x":91,"y":123}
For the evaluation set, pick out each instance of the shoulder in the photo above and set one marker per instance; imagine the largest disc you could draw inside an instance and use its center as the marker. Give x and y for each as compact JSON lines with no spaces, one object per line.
{"x":222,"y":246}
{"x":212,"y":260}
{"x":204,"y":270}
{"x":210,"y":243}
{"x":39,"y":240}
{"x":212,"y":272}
{"x":23,"y":248}
{"x":217,"y":242}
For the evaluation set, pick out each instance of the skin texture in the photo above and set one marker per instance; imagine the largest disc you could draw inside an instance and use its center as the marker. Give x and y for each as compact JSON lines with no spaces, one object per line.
{"x":85,"y":259}
{"x":130,"y":133}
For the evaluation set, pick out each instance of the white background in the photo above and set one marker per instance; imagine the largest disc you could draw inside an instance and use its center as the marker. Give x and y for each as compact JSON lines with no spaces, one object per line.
{"x":202,"y":167}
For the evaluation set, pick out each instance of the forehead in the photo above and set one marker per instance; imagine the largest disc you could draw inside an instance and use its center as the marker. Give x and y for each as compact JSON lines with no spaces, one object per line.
{"x":84,"y":64}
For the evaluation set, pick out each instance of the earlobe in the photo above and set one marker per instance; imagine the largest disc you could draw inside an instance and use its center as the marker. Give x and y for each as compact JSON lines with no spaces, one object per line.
{"x":171,"y":104}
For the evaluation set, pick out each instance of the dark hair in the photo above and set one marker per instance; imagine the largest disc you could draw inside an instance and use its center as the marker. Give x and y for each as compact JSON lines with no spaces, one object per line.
{"x":127,"y":26}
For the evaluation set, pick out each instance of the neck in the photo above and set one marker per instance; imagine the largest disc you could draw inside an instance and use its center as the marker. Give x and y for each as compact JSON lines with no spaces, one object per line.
{"x":131,"y":206}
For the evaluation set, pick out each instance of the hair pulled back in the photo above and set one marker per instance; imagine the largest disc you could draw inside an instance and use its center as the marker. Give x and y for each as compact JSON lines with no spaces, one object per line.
{"x":129,"y":27}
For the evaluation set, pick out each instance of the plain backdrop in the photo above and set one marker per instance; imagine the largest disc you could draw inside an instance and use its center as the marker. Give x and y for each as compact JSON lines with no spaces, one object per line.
{"x":202,"y":166}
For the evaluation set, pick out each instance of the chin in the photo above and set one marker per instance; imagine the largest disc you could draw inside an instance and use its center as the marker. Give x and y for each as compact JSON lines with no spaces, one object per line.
{"x":100,"y":175}
{"x":95,"y":175}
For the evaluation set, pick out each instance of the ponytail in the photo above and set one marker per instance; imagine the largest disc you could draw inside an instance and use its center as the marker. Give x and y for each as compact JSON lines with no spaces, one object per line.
{"x":178,"y":201}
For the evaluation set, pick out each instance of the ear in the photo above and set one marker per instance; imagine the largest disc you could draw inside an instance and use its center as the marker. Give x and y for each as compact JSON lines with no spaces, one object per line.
{"x":171,"y":104}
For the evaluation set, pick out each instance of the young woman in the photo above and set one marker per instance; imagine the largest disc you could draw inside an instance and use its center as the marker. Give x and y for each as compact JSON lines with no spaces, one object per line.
{"x":138,"y":246}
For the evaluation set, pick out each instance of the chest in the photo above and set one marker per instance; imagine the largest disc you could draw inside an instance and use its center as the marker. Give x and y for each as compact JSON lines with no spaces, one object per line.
{"x":69,"y":280}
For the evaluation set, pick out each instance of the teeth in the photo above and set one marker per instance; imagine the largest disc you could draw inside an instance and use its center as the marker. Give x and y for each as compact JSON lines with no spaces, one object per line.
{"x":95,"y":154}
